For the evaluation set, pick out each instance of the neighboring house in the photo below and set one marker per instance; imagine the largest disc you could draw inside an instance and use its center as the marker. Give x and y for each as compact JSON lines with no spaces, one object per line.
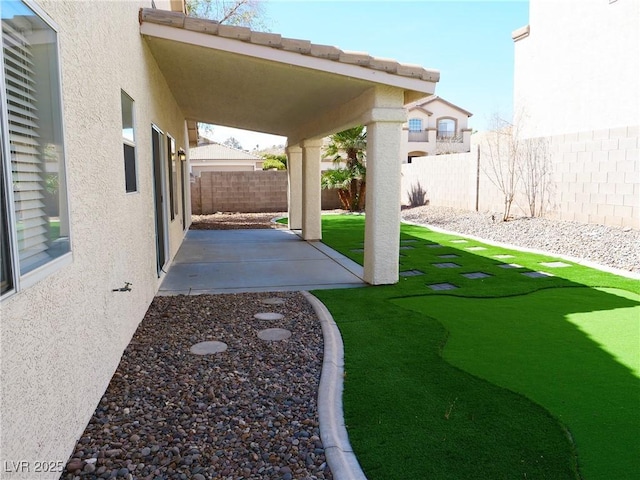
{"x":577,"y":83}
{"x":215,"y":157}
{"x":435,"y":127}
{"x":98,"y":100}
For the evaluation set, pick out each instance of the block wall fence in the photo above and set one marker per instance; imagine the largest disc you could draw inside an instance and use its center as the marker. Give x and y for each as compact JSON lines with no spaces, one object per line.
{"x":247,"y":192}
{"x":595,"y":179}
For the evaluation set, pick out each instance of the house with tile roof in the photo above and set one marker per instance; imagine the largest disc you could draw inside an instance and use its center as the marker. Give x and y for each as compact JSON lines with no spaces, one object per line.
{"x":99,"y":104}
{"x":435,"y":127}
{"x":216,"y":157}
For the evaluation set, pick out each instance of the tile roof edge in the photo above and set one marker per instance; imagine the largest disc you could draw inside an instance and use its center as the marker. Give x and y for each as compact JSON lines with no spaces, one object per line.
{"x":295,"y":45}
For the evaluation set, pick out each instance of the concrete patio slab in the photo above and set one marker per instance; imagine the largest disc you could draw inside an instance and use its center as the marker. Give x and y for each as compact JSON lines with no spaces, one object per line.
{"x":238,"y":261}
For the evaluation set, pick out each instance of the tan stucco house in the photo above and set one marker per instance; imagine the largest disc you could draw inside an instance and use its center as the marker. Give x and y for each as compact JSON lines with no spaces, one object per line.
{"x":99,"y":99}
{"x":216,"y":157}
{"x":434,"y":127}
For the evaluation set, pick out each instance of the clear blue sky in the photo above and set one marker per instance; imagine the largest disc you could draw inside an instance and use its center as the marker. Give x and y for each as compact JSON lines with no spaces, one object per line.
{"x":469,"y":42}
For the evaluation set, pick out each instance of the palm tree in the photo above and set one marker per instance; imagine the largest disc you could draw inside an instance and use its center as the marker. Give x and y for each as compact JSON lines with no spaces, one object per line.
{"x":350,"y":180}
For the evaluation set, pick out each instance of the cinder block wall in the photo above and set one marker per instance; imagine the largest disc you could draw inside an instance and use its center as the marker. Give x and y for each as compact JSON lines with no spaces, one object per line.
{"x":248,"y":192}
{"x":595,"y":179}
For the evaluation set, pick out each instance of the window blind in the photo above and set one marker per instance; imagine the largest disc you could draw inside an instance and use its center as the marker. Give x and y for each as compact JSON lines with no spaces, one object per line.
{"x":26,"y":153}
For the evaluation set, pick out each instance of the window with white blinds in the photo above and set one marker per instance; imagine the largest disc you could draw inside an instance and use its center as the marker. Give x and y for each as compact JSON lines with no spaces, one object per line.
{"x":33,"y":157}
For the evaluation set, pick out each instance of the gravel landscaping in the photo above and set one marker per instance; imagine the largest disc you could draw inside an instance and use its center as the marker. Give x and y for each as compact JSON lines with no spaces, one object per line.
{"x":610,"y":246}
{"x":249,"y":412}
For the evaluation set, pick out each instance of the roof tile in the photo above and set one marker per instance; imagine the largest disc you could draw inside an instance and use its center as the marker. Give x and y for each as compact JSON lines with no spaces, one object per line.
{"x":200,"y":25}
{"x":231,"y":31}
{"x":267,"y":39}
{"x":296,"y":45}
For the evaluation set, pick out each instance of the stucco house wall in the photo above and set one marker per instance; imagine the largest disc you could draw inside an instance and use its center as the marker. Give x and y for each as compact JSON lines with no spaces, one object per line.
{"x":576,"y":83}
{"x":62,"y":337}
{"x":575,"y":76}
{"x":426,"y":142}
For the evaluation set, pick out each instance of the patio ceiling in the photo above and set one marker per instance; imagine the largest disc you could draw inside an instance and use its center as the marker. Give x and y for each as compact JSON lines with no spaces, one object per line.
{"x":260,"y":81}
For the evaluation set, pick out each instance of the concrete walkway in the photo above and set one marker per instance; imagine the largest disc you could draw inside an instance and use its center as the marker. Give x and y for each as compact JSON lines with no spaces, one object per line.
{"x":241,"y":261}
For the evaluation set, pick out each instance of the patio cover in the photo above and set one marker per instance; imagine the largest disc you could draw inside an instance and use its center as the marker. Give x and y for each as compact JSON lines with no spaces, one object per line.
{"x":233,"y":76}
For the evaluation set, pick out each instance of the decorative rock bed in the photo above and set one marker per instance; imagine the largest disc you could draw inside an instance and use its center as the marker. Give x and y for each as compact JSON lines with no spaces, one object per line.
{"x":248,"y":412}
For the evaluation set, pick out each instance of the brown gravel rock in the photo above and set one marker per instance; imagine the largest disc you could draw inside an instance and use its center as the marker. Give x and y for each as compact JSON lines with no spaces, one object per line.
{"x":235,"y":221}
{"x":247,"y":413}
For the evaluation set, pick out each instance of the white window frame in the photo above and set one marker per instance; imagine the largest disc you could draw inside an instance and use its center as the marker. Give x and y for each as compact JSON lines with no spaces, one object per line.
{"x":455,"y":128}
{"x":414,"y":120}
{"x":130,"y":143}
{"x":23,"y":281}
{"x":172,"y":184}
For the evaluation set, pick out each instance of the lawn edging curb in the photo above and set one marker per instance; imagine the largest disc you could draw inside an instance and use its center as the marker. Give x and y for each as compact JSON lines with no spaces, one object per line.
{"x":340,"y":456}
{"x":580,"y":261}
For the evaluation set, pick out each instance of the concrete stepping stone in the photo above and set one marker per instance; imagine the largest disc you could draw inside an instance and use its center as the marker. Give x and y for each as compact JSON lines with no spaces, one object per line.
{"x":475,"y":249}
{"x":537,"y":274}
{"x":268,"y":316}
{"x":504,"y":255}
{"x":273,"y":301}
{"x":449,"y":255}
{"x":274,"y":334}
{"x":510,"y":265}
{"x":460,"y":240}
{"x":555,"y":264}
{"x":358,"y":250}
{"x":406,"y":247}
{"x":476,"y":275}
{"x":408,"y":241}
{"x":434,"y":245}
{"x":446,"y":265}
{"x":442,"y":286}
{"x":207,"y":348}
{"x":411,"y":273}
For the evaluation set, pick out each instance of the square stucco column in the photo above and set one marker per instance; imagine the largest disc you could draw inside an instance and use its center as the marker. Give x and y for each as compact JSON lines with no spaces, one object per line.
{"x":382,"y":221}
{"x":311,"y":193}
{"x":294,"y":189}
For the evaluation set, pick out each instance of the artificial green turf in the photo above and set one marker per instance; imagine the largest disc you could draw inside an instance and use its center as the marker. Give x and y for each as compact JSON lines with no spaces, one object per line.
{"x":510,"y":341}
{"x":570,"y":350}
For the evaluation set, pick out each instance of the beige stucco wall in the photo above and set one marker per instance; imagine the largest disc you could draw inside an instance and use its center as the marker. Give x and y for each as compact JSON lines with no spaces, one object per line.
{"x":579,"y":68}
{"x":595,"y":179}
{"x":62,"y":338}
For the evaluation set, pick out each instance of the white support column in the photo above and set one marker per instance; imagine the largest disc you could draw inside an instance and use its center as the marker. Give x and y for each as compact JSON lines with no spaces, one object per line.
{"x":382,"y":223}
{"x":311,"y":193}
{"x":294,"y":191}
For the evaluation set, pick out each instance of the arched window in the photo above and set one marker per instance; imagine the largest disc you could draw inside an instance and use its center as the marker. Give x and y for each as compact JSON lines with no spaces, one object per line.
{"x":415,"y":124}
{"x":446,"y":128}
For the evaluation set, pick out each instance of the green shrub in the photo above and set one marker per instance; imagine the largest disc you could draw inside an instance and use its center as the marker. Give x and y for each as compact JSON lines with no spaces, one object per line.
{"x":270,"y":164}
{"x":274,"y":161}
